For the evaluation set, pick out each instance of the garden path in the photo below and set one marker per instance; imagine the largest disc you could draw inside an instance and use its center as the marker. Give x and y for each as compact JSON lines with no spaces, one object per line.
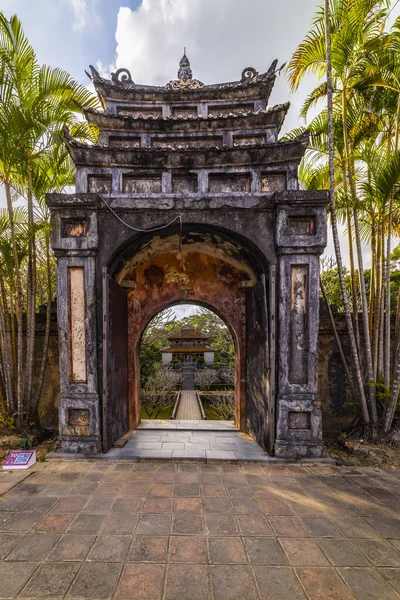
{"x":188,"y":408}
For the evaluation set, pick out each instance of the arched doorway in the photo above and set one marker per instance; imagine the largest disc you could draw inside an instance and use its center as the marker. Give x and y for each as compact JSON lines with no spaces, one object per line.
{"x":187,"y":359}
{"x":208,"y":266}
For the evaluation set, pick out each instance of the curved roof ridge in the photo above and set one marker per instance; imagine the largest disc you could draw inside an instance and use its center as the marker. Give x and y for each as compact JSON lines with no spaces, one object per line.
{"x":122,"y":79}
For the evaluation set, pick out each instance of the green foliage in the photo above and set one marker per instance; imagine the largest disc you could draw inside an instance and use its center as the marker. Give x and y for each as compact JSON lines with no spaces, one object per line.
{"x":363,"y":146}
{"x":38,"y":105}
{"x":26,"y":443}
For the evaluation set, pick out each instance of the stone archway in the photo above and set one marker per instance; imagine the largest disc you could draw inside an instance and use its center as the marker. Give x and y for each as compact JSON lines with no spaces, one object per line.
{"x":231,"y":338}
{"x":208,"y":157}
{"x":205,"y":266}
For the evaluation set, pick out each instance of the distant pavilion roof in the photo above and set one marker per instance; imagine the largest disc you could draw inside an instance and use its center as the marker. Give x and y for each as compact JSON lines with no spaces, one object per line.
{"x":188,"y":349}
{"x":187,"y":333}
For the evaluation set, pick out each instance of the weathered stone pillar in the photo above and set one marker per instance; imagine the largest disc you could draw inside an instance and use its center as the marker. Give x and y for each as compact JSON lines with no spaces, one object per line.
{"x":74,"y":241}
{"x":300,"y":240}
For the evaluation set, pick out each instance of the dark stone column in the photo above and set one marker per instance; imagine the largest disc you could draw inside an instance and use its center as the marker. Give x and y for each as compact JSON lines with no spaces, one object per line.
{"x":74,"y":241}
{"x":300,"y":239}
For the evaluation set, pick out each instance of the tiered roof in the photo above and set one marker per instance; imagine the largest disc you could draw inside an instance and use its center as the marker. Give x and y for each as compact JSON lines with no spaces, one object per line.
{"x":187,"y":138}
{"x":121,"y":86}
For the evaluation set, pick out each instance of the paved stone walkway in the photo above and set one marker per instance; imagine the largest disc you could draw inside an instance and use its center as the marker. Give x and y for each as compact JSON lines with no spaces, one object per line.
{"x":189,"y":444}
{"x":152,"y":531}
{"x":188,"y":376}
{"x":188,"y":408}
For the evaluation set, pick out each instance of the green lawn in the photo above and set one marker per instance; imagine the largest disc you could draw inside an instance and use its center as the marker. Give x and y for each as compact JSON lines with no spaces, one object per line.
{"x":164,"y":414}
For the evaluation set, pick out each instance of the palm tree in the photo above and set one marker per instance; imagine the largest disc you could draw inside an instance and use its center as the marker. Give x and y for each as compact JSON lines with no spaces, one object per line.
{"x":37,"y":104}
{"x":348,"y":43}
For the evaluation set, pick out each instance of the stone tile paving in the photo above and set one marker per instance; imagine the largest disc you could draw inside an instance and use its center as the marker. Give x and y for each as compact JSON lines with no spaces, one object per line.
{"x":164,"y":531}
{"x":203,"y":445}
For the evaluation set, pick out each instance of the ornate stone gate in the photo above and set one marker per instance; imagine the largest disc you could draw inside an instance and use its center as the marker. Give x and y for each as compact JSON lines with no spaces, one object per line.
{"x":189,"y":197}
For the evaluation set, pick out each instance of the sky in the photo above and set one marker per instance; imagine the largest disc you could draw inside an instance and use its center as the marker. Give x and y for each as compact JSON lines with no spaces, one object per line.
{"x":221,"y":37}
{"x":148,"y":36}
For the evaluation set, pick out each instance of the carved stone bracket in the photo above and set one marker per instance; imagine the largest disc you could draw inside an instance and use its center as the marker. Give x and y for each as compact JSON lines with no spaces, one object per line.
{"x":248,"y":74}
{"x":122,"y":76}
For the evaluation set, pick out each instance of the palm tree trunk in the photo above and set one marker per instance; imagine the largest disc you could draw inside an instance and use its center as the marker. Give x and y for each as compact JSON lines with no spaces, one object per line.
{"x":381,"y":358}
{"x":364,"y":302}
{"x":39,"y":386}
{"x":365,"y":318}
{"x":7,"y":370}
{"x":18,"y":306}
{"x":335,"y":233}
{"x":352,"y":269}
{"x":396,"y":331}
{"x":394,"y":396}
{"x":391,"y":406}
{"x":372,"y":295}
{"x":388,"y":262}
{"x":377,"y":303}
{"x":31,"y":312}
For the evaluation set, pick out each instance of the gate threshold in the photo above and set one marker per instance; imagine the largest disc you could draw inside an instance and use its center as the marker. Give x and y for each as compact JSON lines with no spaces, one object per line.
{"x":187,"y":424}
{"x":188,"y":443}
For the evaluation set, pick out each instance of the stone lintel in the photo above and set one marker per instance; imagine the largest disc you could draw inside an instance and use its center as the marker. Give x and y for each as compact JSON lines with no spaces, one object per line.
{"x":63,"y":201}
{"x":71,"y":253}
{"x":303,"y":198}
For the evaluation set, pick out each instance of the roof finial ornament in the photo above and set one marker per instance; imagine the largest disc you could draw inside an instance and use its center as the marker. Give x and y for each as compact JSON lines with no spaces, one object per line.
{"x":185,"y":71}
{"x":185,"y":76}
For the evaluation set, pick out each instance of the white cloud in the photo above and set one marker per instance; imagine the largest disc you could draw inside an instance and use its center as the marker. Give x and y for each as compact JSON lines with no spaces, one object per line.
{"x":221,"y":38}
{"x":84,"y":13}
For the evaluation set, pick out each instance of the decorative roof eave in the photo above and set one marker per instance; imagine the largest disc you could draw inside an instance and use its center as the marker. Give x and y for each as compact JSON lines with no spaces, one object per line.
{"x":194,"y":158}
{"x":180,"y":349}
{"x":271,"y":117}
{"x":185,"y":336}
{"x":122,"y":88}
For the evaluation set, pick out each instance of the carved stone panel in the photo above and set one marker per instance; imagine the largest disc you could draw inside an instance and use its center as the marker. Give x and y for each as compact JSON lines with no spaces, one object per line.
{"x":300,"y":226}
{"x":77,"y":331}
{"x":141,"y":185}
{"x":78,"y":422}
{"x":140,"y":111}
{"x":206,"y":141}
{"x":73,"y":228}
{"x":273,"y":182}
{"x":99,"y":184}
{"x":78,"y":417}
{"x":249,"y":140}
{"x":298,"y":337}
{"x":184,"y":111}
{"x":229,"y":182}
{"x":299,"y":420}
{"x":184,"y":184}
{"x":124,"y":142}
{"x":230,"y":109}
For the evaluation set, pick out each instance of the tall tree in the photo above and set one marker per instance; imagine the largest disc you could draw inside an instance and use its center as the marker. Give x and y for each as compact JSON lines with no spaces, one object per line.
{"x":37,"y":104}
{"x":355,"y":140}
